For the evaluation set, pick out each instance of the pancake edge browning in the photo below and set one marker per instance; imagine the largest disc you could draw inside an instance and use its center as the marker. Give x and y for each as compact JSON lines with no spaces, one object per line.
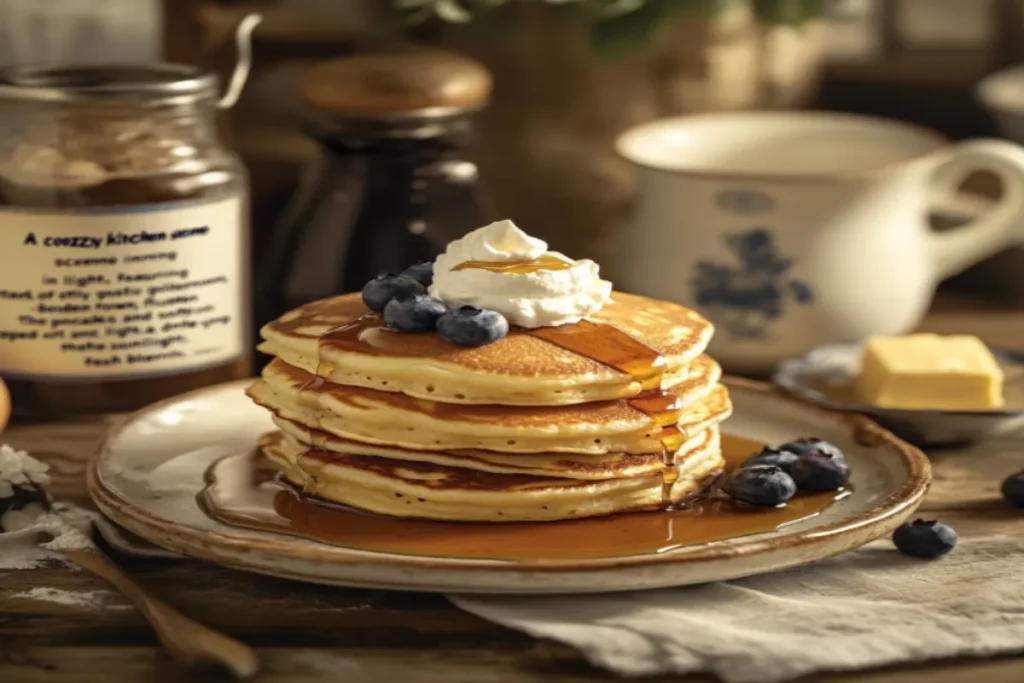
{"x":384,"y":419}
{"x":396,"y":488}
{"x":438,"y":379}
{"x":297,"y":440}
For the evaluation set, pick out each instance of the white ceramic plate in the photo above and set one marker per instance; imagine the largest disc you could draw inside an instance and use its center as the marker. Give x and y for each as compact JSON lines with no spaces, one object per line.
{"x":148,"y":472}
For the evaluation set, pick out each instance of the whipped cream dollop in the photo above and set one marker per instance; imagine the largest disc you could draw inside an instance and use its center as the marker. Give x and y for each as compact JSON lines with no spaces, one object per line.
{"x":542,"y":297}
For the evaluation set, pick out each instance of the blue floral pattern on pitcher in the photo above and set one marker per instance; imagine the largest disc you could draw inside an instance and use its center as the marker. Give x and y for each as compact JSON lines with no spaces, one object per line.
{"x":744,"y":298}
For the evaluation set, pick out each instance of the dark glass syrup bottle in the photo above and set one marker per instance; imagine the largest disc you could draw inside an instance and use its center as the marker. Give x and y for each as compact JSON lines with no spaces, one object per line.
{"x":393,"y":186}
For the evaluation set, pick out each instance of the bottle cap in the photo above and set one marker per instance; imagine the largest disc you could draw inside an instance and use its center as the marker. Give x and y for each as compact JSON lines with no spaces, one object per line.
{"x":409,"y":82}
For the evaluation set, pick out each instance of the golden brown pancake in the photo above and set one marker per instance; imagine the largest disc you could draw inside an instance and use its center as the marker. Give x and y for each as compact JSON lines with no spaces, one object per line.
{"x":387,"y":418}
{"x":299,"y":438}
{"x":524,"y":429}
{"x":406,"y":488}
{"x":519,"y":369}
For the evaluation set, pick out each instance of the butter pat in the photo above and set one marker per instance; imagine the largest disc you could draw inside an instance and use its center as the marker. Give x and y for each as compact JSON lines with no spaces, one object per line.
{"x":927,"y":371}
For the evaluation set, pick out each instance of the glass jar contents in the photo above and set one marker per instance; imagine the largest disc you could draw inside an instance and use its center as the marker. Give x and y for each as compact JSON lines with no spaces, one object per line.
{"x":393,"y":185}
{"x":123,"y":239}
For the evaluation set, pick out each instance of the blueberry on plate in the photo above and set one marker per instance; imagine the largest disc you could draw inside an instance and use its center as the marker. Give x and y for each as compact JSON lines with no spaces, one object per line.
{"x":812,"y":444}
{"x":780,"y":457}
{"x":924,"y":539}
{"x":820,"y":469}
{"x":417,"y":313}
{"x":471,"y":326}
{"x":762,"y":485}
{"x":1013,"y":489}
{"x":383,"y":288}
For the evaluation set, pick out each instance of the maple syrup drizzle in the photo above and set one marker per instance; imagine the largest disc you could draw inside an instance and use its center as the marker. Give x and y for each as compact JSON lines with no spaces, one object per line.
{"x":369,"y":336}
{"x":358,"y":333}
{"x":615,"y":348}
{"x":244,"y":490}
{"x":545,"y":262}
{"x":308,"y":397}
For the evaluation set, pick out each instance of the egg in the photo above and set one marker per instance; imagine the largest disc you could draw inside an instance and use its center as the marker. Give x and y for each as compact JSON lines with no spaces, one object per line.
{"x":5,"y":405}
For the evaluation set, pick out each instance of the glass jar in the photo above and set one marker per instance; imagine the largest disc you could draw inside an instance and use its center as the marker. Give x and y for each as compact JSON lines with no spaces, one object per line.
{"x":393,"y":185}
{"x":124,"y":256}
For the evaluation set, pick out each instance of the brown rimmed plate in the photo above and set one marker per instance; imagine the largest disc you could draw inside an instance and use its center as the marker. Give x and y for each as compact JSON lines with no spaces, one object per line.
{"x":148,"y":472}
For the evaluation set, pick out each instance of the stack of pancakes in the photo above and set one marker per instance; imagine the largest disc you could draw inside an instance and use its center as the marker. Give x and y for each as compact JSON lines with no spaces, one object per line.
{"x":409,"y":425}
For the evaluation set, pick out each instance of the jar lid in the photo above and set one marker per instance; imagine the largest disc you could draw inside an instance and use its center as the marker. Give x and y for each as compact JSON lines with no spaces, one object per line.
{"x":153,"y":83}
{"x":414,"y":82}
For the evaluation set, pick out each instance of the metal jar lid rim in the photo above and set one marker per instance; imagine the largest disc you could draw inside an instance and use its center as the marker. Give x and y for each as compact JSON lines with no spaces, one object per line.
{"x":150,"y":82}
{"x":156,"y":83}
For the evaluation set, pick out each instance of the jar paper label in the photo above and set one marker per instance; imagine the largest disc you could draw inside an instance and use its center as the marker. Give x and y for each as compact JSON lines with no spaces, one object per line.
{"x":143,"y":290}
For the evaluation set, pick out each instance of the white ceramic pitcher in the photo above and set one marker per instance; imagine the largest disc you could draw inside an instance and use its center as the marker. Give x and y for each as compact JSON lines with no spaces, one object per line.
{"x":790,"y":230}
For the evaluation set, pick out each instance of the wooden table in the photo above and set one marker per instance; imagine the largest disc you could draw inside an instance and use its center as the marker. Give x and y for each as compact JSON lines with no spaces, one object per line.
{"x":309,"y":633}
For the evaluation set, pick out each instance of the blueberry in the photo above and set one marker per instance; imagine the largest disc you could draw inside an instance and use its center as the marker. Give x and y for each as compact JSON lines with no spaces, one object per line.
{"x":924,"y":539}
{"x":383,"y":288}
{"x":422,"y":272}
{"x":772,"y":456}
{"x":417,"y":313}
{"x":763,"y":485}
{"x":470,"y":326}
{"x":820,"y":469}
{"x":1013,"y":489}
{"x":812,"y":444}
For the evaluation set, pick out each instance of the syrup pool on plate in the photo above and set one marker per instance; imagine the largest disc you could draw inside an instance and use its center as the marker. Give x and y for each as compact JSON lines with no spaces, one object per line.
{"x":242,"y":491}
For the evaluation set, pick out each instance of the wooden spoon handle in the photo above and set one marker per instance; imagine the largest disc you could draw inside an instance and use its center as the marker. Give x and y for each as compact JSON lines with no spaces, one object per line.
{"x":5,"y":405}
{"x":187,"y":640}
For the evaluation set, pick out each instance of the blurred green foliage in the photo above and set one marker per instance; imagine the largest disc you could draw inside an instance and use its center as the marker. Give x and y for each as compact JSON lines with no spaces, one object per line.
{"x":618,"y":27}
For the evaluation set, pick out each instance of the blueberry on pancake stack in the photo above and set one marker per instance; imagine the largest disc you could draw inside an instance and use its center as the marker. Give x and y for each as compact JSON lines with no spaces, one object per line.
{"x":501,"y":383}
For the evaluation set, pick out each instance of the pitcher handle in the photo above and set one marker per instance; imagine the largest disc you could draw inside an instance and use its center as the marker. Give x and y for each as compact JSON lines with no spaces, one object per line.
{"x":956,"y":250}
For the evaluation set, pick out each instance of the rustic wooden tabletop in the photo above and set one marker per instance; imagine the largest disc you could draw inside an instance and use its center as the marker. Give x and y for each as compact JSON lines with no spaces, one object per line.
{"x":310,"y":633}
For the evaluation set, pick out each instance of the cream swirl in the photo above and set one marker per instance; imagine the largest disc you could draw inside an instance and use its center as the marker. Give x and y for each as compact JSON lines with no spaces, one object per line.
{"x":555,"y":291}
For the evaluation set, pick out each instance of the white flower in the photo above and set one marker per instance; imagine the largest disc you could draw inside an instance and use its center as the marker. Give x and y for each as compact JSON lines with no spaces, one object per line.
{"x":19,"y":469}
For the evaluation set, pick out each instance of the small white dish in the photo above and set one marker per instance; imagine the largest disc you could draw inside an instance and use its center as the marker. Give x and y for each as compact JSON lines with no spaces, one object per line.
{"x":824,"y":376}
{"x":1002,"y":95}
{"x":147,"y":475}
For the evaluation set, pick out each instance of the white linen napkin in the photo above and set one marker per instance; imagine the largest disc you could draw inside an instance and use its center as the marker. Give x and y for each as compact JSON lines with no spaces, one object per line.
{"x":861,"y":610}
